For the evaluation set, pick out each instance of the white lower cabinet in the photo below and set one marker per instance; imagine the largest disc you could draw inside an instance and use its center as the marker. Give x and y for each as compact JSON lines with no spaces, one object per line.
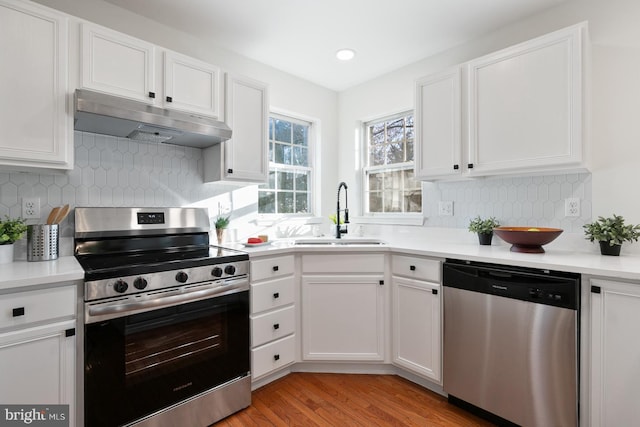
{"x":37,"y":365}
{"x":417,"y":315}
{"x":273,"y":356}
{"x":273,"y":315}
{"x":38,"y":347}
{"x":615,"y":353}
{"x":343,"y":314}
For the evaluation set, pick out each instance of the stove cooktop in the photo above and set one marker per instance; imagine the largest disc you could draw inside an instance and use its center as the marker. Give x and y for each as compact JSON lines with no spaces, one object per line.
{"x":104,"y":266}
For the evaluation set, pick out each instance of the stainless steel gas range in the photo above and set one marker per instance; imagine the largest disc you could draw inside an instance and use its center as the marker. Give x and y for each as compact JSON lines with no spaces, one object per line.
{"x":166,"y":335}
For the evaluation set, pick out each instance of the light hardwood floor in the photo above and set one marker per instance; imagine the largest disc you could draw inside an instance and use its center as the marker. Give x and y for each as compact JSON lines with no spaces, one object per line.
{"x":310,"y":399}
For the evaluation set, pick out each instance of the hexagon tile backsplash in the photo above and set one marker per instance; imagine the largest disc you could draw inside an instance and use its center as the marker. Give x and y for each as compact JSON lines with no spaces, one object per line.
{"x":113,"y":171}
{"x":536,"y":201}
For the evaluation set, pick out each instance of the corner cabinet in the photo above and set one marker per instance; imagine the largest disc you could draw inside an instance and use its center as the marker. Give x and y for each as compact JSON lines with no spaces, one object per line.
{"x":417,"y":315}
{"x":525,"y":106}
{"x":615,"y":352}
{"x":118,"y":64}
{"x":343,"y":300}
{"x":38,"y":347}
{"x":36,"y":131}
{"x":438,"y":151}
{"x":245,"y":157}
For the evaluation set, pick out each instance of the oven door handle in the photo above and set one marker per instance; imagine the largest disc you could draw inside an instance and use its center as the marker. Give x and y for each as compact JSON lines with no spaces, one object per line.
{"x":121,"y":308}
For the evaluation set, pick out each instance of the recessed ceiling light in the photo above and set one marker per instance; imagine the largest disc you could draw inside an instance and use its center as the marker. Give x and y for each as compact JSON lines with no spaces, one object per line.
{"x":345,"y":54}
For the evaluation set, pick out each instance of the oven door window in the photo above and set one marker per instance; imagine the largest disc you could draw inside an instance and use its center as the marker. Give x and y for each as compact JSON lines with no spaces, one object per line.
{"x":137,"y":365}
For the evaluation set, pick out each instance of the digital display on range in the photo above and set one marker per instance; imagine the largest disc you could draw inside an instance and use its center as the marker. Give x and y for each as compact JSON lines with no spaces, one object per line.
{"x":150,"y":217}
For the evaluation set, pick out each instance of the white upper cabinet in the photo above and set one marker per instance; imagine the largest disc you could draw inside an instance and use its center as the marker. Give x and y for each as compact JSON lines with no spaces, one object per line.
{"x":526,"y":104}
{"x":117,"y":64}
{"x":438,"y":126}
{"x":244,"y":158}
{"x":36,"y":129}
{"x":191,"y":85}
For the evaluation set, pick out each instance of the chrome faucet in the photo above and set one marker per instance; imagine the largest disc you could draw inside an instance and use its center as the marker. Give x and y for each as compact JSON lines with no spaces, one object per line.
{"x":339,"y":230}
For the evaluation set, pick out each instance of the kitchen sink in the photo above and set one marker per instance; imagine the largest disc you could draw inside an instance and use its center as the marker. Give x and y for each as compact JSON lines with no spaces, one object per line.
{"x":338,"y":242}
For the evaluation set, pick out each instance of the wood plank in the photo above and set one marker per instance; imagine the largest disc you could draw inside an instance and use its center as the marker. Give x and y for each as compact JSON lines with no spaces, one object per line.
{"x":348,"y":400}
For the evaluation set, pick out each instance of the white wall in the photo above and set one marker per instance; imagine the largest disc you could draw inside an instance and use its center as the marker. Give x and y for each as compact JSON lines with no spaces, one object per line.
{"x":615,"y":89}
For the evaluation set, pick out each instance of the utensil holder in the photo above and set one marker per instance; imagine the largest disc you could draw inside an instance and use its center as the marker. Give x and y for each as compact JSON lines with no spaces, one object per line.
{"x":42,"y":242}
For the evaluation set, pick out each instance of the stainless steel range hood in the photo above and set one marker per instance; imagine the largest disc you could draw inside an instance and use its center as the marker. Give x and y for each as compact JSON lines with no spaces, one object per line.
{"x":112,"y":115}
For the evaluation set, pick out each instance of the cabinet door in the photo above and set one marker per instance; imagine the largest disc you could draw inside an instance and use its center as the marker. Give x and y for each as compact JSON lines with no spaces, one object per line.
{"x":244,"y":158}
{"x":191,"y":85}
{"x":615,"y":352}
{"x":117,"y":64}
{"x":525,"y":106}
{"x":34,"y":84}
{"x":416,"y":327}
{"x":37,"y":366}
{"x":343,"y":317}
{"x":437,"y":120}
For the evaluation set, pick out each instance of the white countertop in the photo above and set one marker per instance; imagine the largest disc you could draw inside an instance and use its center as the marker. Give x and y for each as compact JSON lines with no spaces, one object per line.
{"x":19,"y":274}
{"x":621,"y":267}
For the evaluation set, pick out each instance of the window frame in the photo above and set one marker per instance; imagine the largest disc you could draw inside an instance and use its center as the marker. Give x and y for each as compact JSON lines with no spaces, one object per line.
{"x":312,"y":186}
{"x":402,"y":218}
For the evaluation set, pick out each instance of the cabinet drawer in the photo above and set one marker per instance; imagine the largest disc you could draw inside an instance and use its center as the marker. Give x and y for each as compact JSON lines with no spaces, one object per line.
{"x":272,"y":356}
{"x":262,"y":269}
{"x":34,"y":306}
{"x":272,"y":325}
{"x":272,"y":294}
{"x":416,"y":268}
{"x":344,"y":263}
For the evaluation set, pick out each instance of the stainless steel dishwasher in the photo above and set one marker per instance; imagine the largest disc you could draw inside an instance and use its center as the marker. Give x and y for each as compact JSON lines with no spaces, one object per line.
{"x":511,"y":342}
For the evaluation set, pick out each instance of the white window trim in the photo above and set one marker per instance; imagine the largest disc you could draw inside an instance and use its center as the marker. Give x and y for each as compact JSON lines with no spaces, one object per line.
{"x":386,"y":218}
{"x":314,"y":165}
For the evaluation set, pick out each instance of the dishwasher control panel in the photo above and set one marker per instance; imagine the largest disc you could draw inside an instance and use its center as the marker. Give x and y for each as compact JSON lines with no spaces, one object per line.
{"x":541,"y":294}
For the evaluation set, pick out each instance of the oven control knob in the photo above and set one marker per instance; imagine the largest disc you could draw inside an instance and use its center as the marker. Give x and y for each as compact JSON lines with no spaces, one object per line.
{"x":216,"y":272}
{"x":182,"y":277}
{"x":140,"y":283}
{"x":230,"y":269}
{"x":120,"y":286}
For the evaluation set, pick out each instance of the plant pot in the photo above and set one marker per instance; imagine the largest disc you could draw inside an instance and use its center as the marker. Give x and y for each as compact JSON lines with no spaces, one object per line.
{"x":485,"y":238}
{"x":220,"y":235}
{"x":6,"y":254}
{"x":607,"y":249}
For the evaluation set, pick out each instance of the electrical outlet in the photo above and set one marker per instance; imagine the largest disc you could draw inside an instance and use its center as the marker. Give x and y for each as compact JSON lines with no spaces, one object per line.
{"x":445,"y":208}
{"x":572,"y":207}
{"x":30,"y":208}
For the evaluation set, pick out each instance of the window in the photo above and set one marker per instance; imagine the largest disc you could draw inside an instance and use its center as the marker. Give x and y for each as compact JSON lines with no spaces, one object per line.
{"x":389,"y":181}
{"x":289,"y":188}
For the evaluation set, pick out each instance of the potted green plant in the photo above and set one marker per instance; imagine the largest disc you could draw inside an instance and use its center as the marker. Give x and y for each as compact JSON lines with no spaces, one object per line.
{"x":10,"y":231}
{"x":611,"y":233}
{"x":484,"y":228}
{"x":221,"y":223}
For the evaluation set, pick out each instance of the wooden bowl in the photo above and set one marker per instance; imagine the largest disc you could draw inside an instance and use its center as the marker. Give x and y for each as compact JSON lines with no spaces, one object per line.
{"x":527,"y":239}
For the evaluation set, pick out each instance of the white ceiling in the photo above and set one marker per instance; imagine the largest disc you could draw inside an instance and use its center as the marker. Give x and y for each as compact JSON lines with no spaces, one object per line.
{"x":301,"y":37}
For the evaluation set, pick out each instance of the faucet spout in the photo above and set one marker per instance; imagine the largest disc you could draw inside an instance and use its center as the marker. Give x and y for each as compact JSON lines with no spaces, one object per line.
{"x":339,"y":230}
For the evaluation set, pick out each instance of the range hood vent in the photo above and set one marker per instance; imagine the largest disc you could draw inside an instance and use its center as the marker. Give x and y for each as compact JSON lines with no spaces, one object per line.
{"x":125,"y":118}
